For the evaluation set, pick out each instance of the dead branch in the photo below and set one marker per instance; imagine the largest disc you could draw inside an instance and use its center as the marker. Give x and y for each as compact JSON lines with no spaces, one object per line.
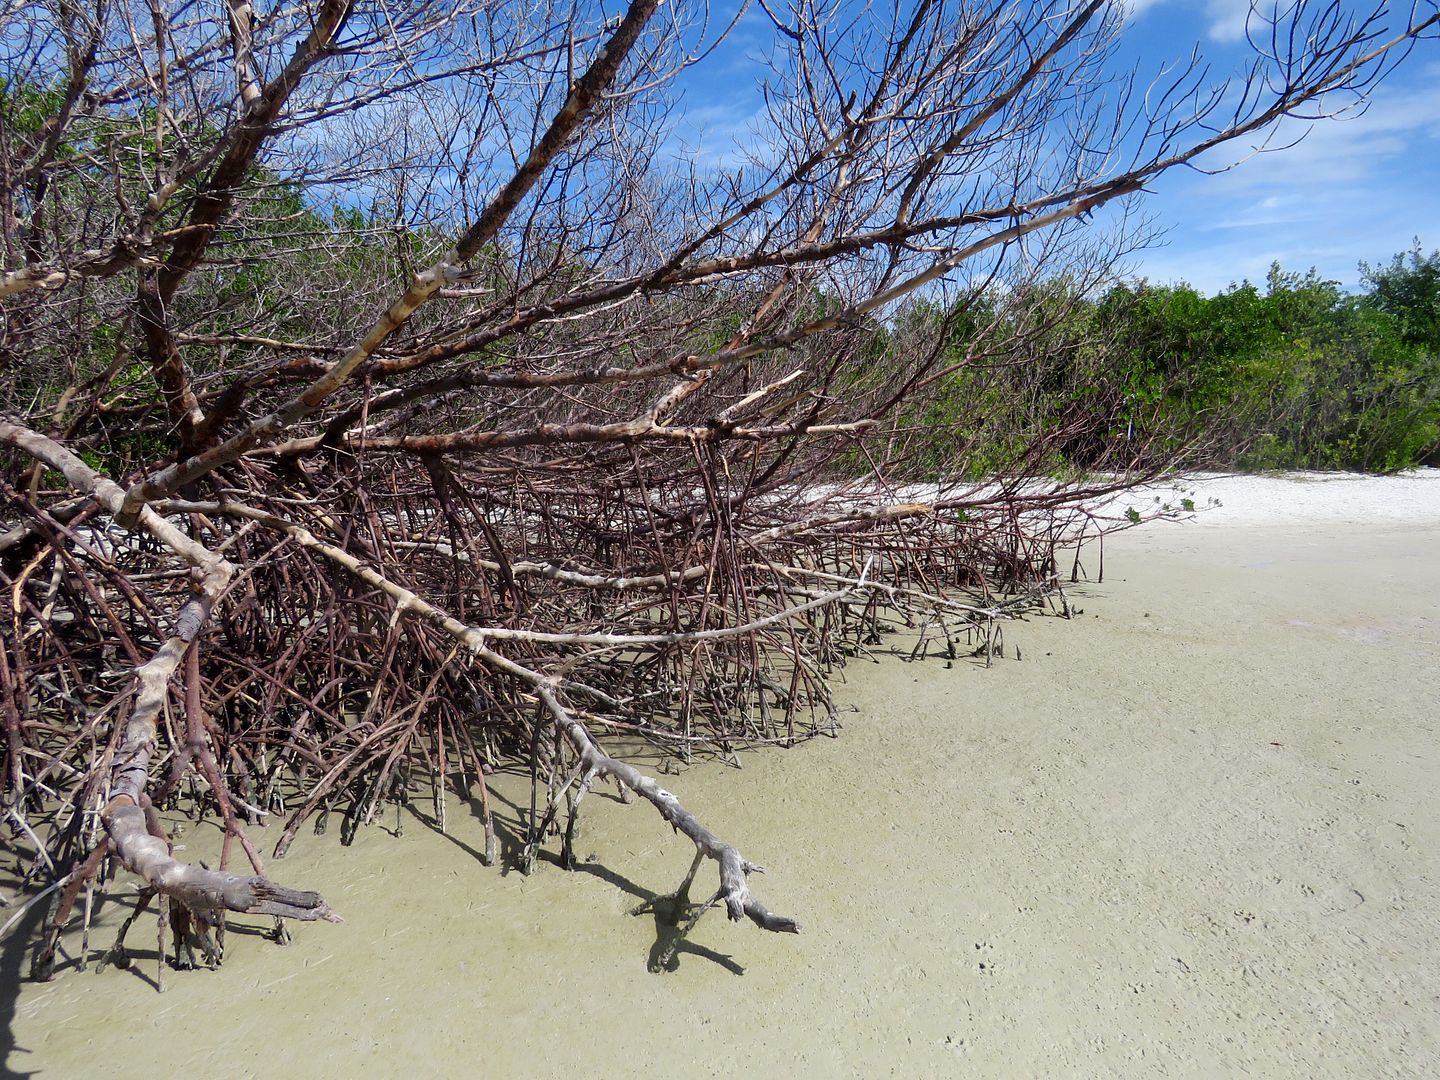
{"x":385,"y":372}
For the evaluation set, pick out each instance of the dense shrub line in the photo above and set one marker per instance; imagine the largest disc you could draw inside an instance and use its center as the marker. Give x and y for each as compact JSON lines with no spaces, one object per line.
{"x":1295,"y":374}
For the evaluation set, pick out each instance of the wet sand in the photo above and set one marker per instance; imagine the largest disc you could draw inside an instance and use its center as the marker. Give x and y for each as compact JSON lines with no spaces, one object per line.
{"x":1195,"y":831}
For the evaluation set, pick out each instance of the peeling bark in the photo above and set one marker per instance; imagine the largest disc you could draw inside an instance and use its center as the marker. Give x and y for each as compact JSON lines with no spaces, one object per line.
{"x":204,"y":892}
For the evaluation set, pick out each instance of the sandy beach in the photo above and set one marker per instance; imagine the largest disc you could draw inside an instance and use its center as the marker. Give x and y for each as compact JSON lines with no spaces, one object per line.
{"x":1194,"y":831}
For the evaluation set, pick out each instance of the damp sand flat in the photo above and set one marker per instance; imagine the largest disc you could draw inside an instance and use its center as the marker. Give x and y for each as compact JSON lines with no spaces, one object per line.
{"x":1193,"y":832}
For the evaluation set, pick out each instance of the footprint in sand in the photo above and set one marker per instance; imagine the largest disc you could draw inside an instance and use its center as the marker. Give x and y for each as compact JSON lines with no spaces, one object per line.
{"x":1339,"y":898}
{"x":986,"y":962}
{"x":1393,"y":834}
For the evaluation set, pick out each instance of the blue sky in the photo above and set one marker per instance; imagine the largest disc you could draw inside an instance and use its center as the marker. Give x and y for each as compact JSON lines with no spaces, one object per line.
{"x":1352,"y":190}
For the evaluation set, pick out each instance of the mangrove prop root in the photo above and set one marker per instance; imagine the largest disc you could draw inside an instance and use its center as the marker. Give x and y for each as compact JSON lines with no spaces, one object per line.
{"x":42,"y":968}
{"x":313,"y":677}
{"x":650,"y":475}
{"x":207,"y":893}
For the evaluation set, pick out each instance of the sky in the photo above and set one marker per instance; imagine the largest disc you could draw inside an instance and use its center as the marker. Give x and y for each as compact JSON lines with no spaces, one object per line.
{"x":1354,"y":190}
{"x":1359,"y":189}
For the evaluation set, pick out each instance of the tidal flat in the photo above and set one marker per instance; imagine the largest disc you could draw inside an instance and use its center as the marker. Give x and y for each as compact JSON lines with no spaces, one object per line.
{"x":1193,"y":831}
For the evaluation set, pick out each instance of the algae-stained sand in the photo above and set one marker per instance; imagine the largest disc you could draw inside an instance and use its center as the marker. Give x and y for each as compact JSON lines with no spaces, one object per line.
{"x":1193,"y":832}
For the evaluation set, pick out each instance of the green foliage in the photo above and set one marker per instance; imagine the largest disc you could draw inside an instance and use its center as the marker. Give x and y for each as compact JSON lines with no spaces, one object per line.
{"x":1293,"y":375}
{"x":24,"y":107}
{"x":1409,"y":291}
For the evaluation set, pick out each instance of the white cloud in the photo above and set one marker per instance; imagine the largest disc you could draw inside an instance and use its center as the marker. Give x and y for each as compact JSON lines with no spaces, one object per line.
{"x":1352,"y":190}
{"x":1269,"y":211}
{"x":1227,"y":19}
{"x":719,"y":134}
{"x":1135,"y":8}
{"x":1397,"y":124}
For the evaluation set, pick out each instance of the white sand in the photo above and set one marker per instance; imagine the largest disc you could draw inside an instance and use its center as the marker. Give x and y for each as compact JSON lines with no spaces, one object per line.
{"x":1303,"y":499}
{"x":1194,"y":832}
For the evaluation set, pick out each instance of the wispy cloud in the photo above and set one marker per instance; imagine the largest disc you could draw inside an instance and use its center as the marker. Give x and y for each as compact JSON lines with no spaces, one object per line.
{"x":1133,"y":9}
{"x":1271,"y":210}
{"x":718,"y":134}
{"x":1365,"y":144}
{"x":1227,"y":19}
{"x":1354,"y":189}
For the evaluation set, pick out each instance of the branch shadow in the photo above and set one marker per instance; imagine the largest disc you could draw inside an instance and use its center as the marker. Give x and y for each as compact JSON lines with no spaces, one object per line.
{"x":13,"y":952}
{"x":511,"y":821}
{"x":667,"y":913}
